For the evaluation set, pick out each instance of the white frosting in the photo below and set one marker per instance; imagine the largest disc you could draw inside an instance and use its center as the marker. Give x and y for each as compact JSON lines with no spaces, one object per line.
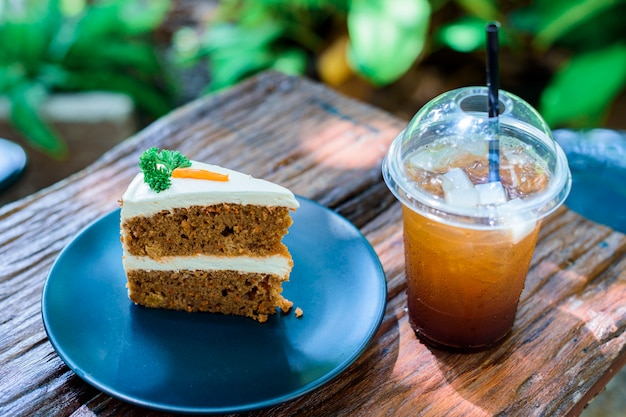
{"x":140,"y":200}
{"x":279,"y":265}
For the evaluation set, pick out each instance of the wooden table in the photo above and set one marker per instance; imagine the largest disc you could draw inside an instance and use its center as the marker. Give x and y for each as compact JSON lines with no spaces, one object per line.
{"x":567,"y":342}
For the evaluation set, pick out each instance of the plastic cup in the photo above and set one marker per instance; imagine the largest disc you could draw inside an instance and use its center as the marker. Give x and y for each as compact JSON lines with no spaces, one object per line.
{"x":468,"y":242}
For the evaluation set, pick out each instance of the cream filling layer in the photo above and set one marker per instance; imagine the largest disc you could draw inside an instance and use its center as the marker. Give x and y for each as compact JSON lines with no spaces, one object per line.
{"x":278,"y":265}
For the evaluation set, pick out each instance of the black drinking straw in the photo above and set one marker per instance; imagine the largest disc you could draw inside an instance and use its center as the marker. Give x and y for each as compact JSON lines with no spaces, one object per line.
{"x":493,"y":101}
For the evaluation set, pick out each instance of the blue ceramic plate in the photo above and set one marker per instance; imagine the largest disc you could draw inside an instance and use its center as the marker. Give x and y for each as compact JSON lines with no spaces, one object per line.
{"x":202,"y":363}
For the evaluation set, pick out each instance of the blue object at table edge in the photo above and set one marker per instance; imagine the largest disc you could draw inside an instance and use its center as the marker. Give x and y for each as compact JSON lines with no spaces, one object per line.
{"x":597,"y":159}
{"x":13,"y":161}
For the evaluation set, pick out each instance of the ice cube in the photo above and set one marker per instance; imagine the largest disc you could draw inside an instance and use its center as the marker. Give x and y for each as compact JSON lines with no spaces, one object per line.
{"x":491,"y":193}
{"x":515,"y":155}
{"x":520,"y":224}
{"x":458,"y":188}
{"x":456,"y":179}
{"x":433,"y":157}
{"x":478,"y":147}
{"x":462,"y":197}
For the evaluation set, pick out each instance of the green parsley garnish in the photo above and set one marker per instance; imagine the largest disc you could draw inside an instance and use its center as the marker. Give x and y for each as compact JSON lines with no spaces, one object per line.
{"x":157,"y":167}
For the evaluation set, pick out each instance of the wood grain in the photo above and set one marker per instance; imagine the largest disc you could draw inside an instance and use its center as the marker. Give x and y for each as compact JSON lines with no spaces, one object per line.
{"x":567,"y":342}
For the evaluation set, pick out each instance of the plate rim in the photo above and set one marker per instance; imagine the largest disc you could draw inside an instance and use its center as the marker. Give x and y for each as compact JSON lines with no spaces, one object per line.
{"x":337,"y":370}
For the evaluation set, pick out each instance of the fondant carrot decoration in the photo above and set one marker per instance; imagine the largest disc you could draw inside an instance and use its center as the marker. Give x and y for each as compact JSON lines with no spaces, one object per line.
{"x":200,"y":174}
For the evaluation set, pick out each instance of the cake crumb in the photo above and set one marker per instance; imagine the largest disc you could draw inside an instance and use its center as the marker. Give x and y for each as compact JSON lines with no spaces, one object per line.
{"x":299,"y":312}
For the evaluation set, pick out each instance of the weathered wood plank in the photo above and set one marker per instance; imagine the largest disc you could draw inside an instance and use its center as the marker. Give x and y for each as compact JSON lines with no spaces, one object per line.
{"x":567,"y":342}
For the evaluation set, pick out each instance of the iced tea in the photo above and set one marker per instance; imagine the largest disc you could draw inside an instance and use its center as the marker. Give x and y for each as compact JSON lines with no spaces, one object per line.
{"x":469,"y":238}
{"x":464,"y":283}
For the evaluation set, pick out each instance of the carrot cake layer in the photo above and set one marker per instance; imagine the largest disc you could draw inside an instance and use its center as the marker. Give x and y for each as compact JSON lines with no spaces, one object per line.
{"x":205,"y":238}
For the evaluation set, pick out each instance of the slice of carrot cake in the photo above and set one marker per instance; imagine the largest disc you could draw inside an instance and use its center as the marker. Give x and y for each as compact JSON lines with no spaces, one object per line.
{"x":199,"y":237}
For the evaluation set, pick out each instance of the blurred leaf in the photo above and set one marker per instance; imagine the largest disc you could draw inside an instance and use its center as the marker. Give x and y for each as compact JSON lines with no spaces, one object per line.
{"x":10,"y":75}
{"x":238,"y":39}
{"x":596,"y":31}
{"x":468,"y":34}
{"x":53,"y":76}
{"x":73,"y":45}
{"x":581,"y":92}
{"x":386,"y":37}
{"x":292,"y":61}
{"x":119,"y":19}
{"x":227,"y":69}
{"x":115,"y":53}
{"x":26,"y":41}
{"x":235,"y":51}
{"x":551,"y":20}
{"x":29,"y":11}
{"x":483,"y":9}
{"x":186,"y":45}
{"x":309,"y":5}
{"x":567,"y":18}
{"x":141,"y":17}
{"x":465,"y":35}
{"x":96,"y":22}
{"x":26,"y":99}
{"x":71,"y":8}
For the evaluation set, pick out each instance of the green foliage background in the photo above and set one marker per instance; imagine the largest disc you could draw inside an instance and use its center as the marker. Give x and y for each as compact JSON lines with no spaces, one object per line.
{"x":77,"y":45}
{"x":387,"y":38}
{"x":55,"y":45}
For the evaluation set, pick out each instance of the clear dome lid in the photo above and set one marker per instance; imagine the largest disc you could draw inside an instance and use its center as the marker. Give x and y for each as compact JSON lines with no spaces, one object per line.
{"x":452,"y":133}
